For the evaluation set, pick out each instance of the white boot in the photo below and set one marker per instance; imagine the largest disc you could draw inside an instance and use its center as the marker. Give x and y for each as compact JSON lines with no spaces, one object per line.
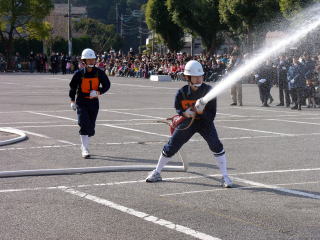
{"x":84,"y":146}
{"x":222,"y":163}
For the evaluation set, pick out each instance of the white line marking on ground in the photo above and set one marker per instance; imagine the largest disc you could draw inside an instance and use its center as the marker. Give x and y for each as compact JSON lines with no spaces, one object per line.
{"x":138,"y":124}
{"x":291,"y":121}
{"x":167,"y":179}
{"x":27,"y":189}
{"x":230,"y":115}
{"x":39,"y":147}
{"x":224,"y":189}
{"x":9,"y":83}
{"x":126,"y":85}
{"x":277,"y":188}
{"x":47,"y":137}
{"x":278,"y":111}
{"x":63,"y":146}
{"x":67,"y":142}
{"x":49,"y":115}
{"x":143,"y":86}
{"x":141,"y":215}
{"x":134,"y":114}
{"x":47,"y":126}
{"x":135,"y":130}
{"x":7,"y":123}
{"x":37,"y":134}
{"x":254,"y":130}
{"x":127,"y":120}
{"x":149,"y":142}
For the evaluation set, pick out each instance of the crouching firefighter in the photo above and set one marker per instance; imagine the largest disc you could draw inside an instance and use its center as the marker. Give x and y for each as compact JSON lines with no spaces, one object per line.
{"x":189,"y":105}
{"x":87,"y":83}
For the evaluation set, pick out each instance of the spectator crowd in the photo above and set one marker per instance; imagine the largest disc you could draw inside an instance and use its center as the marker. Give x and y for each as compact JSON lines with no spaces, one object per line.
{"x":297,"y":77}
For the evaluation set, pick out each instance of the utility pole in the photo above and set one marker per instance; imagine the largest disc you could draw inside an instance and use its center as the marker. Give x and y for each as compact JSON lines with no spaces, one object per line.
{"x":69,"y":30}
{"x":191,"y":48}
{"x":117,"y":17}
{"x":121,"y":26}
{"x":140,"y":35}
{"x":152,"y":43}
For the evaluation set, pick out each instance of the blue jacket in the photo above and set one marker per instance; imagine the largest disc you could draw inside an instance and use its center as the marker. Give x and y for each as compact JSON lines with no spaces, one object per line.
{"x":296,"y":76}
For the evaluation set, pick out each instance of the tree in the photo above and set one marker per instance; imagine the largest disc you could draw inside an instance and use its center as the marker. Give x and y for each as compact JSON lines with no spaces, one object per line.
{"x":199,"y":17}
{"x":291,"y":7}
{"x":246,"y":18}
{"x":102,"y":36}
{"x":159,"y":20}
{"x":21,"y":18}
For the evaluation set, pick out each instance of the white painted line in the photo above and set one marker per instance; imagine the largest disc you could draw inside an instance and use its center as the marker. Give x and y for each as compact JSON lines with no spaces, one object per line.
{"x":167,"y":180}
{"x":134,"y":114}
{"x":201,"y":191}
{"x":49,"y":115}
{"x":127,"y":120}
{"x":67,"y":142}
{"x":10,"y":123}
{"x":138,"y":124}
{"x":63,"y":146}
{"x":277,"y":188}
{"x":141,"y":215}
{"x":260,"y":131}
{"x":147,"y":142}
{"x":135,"y":130}
{"x":37,"y":134}
{"x":139,"y":109}
{"x":143,"y":86}
{"x":291,"y":121}
{"x":224,"y":189}
{"x":39,"y":147}
{"x":27,"y":189}
{"x":47,"y":126}
{"x":9,"y":83}
{"x":231,"y":115}
{"x":278,"y":171}
{"x":47,"y":137}
{"x":278,"y":111}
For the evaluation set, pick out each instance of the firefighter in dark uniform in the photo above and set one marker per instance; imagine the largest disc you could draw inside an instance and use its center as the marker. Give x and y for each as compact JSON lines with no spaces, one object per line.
{"x":202,"y":123}
{"x":297,"y":82}
{"x":282,"y":69}
{"x":264,"y":78}
{"x":87,"y":83}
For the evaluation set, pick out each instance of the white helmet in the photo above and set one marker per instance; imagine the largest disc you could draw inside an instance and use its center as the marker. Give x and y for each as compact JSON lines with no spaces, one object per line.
{"x":88,"y":54}
{"x":193,"y":68}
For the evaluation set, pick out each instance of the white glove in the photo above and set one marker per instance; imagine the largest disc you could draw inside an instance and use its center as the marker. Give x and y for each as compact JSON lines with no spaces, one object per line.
{"x":94,"y":93}
{"x":256,"y":75}
{"x":292,"y":81}
{"x":189,"y":113}
{"x":200,"y":105}
{"x":73,"y":106}
{"x":262,"y":80}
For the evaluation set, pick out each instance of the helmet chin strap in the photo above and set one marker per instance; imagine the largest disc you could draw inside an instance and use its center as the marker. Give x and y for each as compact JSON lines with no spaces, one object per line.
{"x":88,"y":65}
{"x":196,"y":85}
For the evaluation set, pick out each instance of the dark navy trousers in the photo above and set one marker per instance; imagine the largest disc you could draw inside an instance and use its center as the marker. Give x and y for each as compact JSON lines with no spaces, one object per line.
{"x":87,"y":112}
{"x":206,"y":129}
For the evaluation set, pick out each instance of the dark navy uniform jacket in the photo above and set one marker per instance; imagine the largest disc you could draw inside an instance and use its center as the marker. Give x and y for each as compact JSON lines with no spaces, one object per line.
{"x":83,"y":82}
{"x":297,"y":73}
{"x":186,"y":98}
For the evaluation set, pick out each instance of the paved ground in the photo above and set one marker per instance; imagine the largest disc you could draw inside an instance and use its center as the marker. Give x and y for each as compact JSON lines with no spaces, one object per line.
{"x":273,"y":159}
